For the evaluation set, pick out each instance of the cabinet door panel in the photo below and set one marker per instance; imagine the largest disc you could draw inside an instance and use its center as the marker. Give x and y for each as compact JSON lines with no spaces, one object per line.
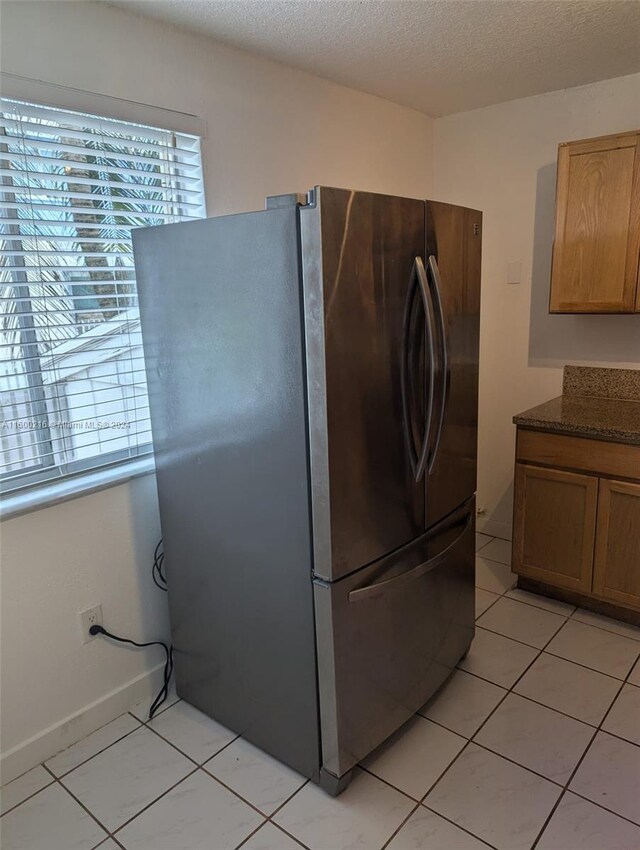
{"x":616,"y":575}
{"x":554,"y":526}
{"x":597,"y":240}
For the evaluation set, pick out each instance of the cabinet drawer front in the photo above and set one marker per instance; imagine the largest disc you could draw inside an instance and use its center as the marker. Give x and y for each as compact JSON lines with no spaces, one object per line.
{"x":596,"y":456}
{"x":554,"y":526}
{"x":616,"y":575}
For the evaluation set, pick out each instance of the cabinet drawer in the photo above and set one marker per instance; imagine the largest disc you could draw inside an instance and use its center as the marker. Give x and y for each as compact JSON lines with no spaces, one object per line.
{"x":595,"y":456}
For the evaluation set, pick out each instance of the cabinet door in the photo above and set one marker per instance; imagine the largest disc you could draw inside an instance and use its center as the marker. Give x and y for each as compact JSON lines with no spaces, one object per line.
{"x":554,"y":526}
{"x":597,"y":239}
{"x":616,"y":575}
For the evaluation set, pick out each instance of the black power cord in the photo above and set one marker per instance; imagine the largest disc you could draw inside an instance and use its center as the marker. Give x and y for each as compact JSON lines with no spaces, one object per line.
{"x":157,"y":572}
{"x":160,"y":581}
{"x":168,"y":666}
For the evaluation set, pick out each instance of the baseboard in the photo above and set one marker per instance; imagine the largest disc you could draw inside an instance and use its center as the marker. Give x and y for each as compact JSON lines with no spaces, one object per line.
{"x":58,"y":737}
{"x":494,"y":528}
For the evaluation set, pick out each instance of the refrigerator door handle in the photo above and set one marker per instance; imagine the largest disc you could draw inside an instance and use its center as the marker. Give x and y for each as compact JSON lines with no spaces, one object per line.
{"x":362,"y":593}
{"x":444,"y":356}
{"x":420,"y":281}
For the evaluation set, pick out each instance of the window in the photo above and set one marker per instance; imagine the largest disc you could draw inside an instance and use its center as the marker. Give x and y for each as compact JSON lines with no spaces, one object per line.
{"x":72,"y":188}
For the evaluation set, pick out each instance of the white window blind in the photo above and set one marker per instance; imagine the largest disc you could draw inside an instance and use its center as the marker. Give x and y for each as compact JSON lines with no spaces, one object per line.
{"x":72,"y":188}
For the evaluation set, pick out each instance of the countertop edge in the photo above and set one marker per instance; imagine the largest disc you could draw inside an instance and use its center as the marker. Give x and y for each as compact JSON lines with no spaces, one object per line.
{"x":585,"y":431}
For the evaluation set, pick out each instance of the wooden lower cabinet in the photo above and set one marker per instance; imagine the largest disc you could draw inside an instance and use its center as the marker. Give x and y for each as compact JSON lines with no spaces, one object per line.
{"x":616,"y":570}
{"x":577,"y":529}
{"x":554,"y":526}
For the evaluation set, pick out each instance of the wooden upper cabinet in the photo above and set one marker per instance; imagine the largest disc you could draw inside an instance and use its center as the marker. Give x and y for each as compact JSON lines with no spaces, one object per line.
{"x":597,"y":239}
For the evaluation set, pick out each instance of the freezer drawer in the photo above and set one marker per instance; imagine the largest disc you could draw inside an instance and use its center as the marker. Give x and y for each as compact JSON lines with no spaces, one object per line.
{"x":389,"y":635}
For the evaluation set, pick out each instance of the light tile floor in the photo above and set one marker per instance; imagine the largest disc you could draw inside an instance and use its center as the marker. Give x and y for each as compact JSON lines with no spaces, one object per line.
{"x":534,"y":742}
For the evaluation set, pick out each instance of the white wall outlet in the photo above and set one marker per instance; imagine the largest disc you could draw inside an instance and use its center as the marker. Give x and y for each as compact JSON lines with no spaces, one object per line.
{"x":88,"y":618}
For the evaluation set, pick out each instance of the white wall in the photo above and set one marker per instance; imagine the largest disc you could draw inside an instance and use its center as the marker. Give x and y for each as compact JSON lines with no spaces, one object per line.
{"x":270,"y":130}
{"x":501,"y":159}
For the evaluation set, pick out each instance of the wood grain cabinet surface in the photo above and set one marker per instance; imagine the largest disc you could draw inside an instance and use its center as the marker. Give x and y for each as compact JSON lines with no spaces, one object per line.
{"x":576,"y":524}
{"x":597,"y":236}
{"x":616,"y":572}
{"x":554,"y":526}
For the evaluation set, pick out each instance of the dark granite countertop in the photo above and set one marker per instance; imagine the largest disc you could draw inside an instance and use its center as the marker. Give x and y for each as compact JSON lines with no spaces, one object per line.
{"x":586,"y":416}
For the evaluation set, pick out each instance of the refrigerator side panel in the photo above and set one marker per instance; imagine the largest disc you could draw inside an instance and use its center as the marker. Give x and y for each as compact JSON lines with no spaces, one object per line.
{"x":220,"y":305}
{"x":454,"y":240}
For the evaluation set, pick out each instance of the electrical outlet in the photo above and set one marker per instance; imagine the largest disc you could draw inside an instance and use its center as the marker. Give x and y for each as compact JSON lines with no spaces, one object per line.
{"x":88,"y":618}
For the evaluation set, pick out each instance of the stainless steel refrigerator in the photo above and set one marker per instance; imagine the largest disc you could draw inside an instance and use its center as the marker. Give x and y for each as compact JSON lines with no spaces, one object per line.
{"x":313,"y":374}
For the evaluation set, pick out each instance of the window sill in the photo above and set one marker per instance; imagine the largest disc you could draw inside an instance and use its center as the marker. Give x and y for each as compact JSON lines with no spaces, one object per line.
{"x":55,"y":492}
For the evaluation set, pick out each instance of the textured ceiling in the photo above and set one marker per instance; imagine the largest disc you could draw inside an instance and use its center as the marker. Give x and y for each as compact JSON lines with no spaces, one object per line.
{"x":438,"y":56}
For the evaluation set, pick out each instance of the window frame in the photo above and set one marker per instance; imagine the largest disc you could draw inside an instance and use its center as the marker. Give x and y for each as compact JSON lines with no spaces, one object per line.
{"x":37,"y":488}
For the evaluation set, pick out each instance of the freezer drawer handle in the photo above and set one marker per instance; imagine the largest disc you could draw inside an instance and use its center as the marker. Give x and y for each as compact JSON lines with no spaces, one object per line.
{"x":370,"y":590}
{"x":418,"y":280}
{"x":444,"y":356}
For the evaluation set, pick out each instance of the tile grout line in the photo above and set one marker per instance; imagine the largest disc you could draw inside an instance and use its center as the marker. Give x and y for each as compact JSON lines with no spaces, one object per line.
{"x":577,"y":767}
{"x":534,"y":605}
{"x":262,"y":825}
{"x":98,"y":752}
{"x":536,"y":702}
{"x":571,"y":616}
{"x":587,"y":748}
{"x":462,"y":828}
{"x":203,"y":768}
{"x":197,"y":767}
{"x":118,"y":829}
{"x":469,"y":740}
{"x":493,"y":711}
{"x":548,"y":818}
{"x":564,"y":714}
{"x":543,"y":705}
{"x":566,"y":617}
{"x":81,"y":804}
{"x":509,"y":691}
{"x":401,"y":824}
{"x":584,"y":666}
{"x":168,"y":790}
{"x":602,"y":628}
{"x":182,"y":752}
{"x":515,"y":640}
{"x":268,"y":818}
{"x":529,"y":605}
{"x":248,"y":802}
{"x":420,"y":803}
{"x":31,"y":796}
{"x":598,"y":728}
{"x":563,"y":787}
{"x":55,"y":776}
